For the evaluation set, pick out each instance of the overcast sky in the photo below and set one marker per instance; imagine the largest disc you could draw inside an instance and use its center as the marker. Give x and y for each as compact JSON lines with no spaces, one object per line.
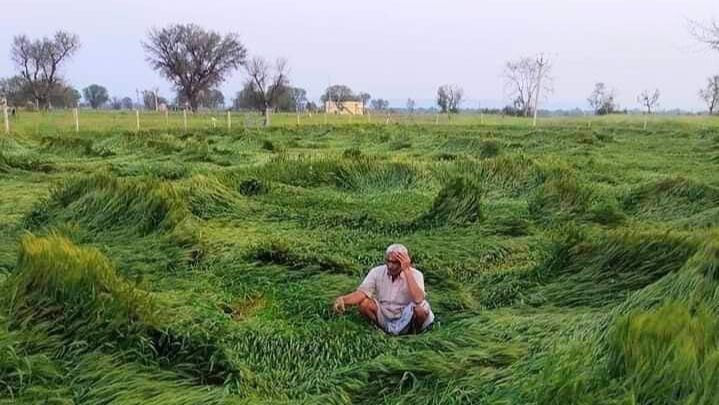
{"x":397,"y":49}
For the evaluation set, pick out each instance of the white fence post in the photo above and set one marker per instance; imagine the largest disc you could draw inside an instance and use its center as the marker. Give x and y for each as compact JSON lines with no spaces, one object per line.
{"x":7,"y":121}
{"x":75,"y":116}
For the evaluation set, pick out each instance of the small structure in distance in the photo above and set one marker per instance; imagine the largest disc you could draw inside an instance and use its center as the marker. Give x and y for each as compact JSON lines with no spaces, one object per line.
{"x":344,"y":107}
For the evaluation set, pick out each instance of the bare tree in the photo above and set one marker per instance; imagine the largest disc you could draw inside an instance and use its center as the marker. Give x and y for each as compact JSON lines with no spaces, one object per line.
{"x":410,"y":105}
{"x":707,"y":33}
{"x":299,"y":99}
{"x":449,"y":97}
{"x":710,"y":94}
{"x":152,"y":100}
{"x":15,"y":91}
{"x":543,"y":68}
{"x":365,"y":98}
{"x":193,"y":59}
{"x":602,"y":100}
{"x":379,"y":104}
{"x":269,"y":82}
{"x":524,"y":79}
{"x":115,"y":103}
{"x":39,"y":62}
{"x":649,"y":99}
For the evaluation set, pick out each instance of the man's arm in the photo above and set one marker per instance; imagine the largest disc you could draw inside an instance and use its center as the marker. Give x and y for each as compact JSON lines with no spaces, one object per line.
{"x":414,"y":290}
{"x":350,"y":299}
{"x":354,"y":298}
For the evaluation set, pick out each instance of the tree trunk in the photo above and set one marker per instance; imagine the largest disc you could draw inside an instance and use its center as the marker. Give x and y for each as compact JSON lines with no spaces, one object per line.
{"x":42,"y":103}
{"x":191,"y":99}
{"x":267,"y":117}
{"x":193,"y":103}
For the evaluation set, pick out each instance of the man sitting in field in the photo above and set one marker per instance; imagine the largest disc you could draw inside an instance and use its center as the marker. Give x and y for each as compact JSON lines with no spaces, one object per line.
{"x":392,"y":295}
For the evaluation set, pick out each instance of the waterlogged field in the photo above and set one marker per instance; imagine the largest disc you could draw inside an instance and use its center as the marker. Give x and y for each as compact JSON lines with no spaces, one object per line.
{"x":571,"y":264}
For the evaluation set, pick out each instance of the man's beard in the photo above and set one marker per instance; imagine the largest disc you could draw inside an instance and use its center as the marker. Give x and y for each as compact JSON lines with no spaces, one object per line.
{"x":394,"y":274}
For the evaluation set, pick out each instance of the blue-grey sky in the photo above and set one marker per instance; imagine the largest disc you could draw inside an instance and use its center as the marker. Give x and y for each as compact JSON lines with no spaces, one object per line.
{"x":401,"y":48}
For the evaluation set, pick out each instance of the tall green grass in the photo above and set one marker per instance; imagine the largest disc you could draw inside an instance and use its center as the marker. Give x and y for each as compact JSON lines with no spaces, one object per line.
{"x":75,"y":293}
{"x":564,"y":264}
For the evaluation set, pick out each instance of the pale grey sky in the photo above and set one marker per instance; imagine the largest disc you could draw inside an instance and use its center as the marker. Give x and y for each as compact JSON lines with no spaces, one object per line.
{"x":398,"y":49}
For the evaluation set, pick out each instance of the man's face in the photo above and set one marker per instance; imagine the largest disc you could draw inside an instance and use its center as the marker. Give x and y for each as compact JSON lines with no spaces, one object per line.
{"x":393,"y":265}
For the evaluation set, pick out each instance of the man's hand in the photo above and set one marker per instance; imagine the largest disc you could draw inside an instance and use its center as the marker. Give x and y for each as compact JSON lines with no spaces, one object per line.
{"x":406,"y":264}
{"x":339,"y":306}
{"x":403,"y":259}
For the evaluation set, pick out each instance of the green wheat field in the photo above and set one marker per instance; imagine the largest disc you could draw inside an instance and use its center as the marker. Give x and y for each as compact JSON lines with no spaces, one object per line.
{"x":572,"y":263}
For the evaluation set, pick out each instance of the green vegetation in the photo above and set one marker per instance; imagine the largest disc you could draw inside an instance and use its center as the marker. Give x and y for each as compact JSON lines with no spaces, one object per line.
{"x":566,"y":264}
